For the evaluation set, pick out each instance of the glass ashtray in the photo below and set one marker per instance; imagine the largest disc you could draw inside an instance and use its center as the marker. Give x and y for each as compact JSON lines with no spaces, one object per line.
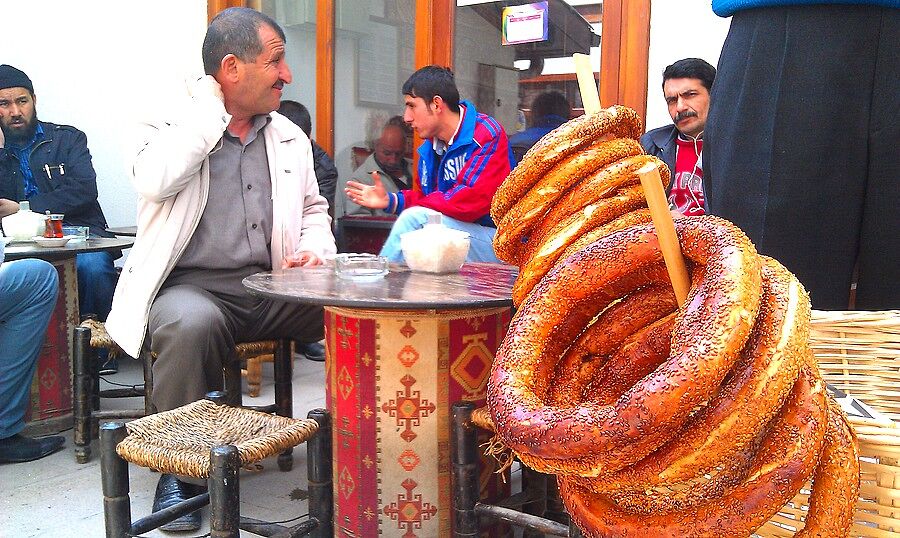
{"x":360,"y":267}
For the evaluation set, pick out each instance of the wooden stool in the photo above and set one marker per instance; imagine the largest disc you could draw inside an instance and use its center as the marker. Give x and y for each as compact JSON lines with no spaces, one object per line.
{"x":91,"y":336}
{"x":211,"y":440}
{"x":533,"y":500}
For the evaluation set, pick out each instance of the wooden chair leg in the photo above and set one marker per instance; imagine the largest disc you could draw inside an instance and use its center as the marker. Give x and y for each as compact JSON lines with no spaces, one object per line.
{"x":224,"y":492}
{"x":114,"y":479}
{"x":284,"y":398}
{"x":254,"y":375}
{"x":463,"y":471}
{"x":82,"y":393}
{"x":318,"y":472}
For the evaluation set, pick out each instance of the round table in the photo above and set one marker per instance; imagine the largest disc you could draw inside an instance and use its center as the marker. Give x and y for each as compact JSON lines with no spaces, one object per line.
{"x":400,"y":351}
{"x":51,"y":389}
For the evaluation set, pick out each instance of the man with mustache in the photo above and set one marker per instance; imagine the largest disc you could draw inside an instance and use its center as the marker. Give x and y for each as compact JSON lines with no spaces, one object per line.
{"x":686,"y":87}
{"x":388,"y":159}
{"x":227,"y":189}
{"x":50,"y":166}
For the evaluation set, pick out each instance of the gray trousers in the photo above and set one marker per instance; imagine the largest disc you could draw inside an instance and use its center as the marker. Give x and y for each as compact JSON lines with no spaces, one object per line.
{"x":194,"y":326}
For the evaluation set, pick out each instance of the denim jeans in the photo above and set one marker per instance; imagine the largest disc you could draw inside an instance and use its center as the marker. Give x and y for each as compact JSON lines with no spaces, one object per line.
{"x":27,"y":298}
{"x":96,"y":283}
{"x":481,"y":238}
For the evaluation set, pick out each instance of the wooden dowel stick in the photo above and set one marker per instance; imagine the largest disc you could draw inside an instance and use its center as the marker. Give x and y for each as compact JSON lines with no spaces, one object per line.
{"x":590,"y":95}
{"x":665,"y":230}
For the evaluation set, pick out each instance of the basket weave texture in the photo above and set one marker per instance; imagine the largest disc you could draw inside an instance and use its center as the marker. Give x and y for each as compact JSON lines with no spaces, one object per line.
{"x":859,"y":352}
{"x":178,"y":441}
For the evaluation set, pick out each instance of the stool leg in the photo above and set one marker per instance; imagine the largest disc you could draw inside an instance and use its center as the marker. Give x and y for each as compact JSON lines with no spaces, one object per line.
{"x":318,"y":472}
{"x":224,"y":492}
{"x":114,"y":477}
{"x":463,"y":470}
{"x":233,"y":384}
{"x":284,"y":397}
{"x":82,"y":393}
{"x":535,"y":484}
{"x":254,"y":375}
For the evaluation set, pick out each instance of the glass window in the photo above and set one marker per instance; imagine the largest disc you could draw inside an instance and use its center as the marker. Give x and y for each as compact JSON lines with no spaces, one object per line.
{"x":374,"y":55}
{"x":507,"y":81}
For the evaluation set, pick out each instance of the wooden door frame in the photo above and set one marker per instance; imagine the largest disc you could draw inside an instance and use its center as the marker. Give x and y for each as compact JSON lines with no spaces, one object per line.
{"x":625,"y":53}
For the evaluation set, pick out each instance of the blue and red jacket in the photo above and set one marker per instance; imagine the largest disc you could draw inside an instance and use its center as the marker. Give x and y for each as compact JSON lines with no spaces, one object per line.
{"x":461,"y":183}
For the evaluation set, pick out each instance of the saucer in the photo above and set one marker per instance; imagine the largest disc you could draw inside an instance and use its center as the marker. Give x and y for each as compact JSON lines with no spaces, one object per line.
{"x":52,"y":241}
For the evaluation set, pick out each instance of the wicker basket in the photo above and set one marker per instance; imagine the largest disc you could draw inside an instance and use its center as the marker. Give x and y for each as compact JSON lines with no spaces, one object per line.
{"x":859,"y":352}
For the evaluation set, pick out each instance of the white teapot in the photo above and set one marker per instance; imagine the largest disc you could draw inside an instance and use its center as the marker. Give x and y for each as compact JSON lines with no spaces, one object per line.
{"x":25,"y":223}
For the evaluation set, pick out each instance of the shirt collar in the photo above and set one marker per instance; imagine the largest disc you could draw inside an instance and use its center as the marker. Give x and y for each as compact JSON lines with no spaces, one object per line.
{"x":440,"y":147}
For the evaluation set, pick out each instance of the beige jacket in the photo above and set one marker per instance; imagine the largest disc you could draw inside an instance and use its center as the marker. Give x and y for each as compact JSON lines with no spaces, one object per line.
{"x":171,"y":175}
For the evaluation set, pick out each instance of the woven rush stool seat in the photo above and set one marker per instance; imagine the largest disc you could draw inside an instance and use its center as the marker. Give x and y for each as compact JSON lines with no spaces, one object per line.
{"x":212,"y":440}
{"x":91,"y":335}
{"x":178,"y":441}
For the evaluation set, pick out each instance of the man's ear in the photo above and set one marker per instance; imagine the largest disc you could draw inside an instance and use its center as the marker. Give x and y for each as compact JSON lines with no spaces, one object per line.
{"x":438,"y":103}
{"x":229,"y":69}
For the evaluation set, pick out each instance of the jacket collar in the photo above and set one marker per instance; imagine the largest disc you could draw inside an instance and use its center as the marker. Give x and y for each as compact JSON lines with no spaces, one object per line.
{"x":464,"y":134}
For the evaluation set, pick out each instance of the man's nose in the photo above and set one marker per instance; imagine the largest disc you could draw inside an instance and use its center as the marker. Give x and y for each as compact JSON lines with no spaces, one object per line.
{"x":285,"y":73}
{"x":407,"y":116}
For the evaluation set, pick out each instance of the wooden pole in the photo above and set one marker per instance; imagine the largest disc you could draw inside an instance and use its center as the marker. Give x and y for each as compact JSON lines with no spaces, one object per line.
{"x":665,"y":230}
{"x":590,"y":97}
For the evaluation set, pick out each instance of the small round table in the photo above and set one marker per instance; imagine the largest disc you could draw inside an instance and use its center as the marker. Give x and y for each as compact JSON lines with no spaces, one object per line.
{"x":51,"y":390}
{"x":400,"y":351}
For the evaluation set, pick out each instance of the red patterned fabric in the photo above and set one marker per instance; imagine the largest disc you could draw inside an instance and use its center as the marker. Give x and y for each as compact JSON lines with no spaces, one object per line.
{"x":51,"y":388}
{"x":391,"y":379}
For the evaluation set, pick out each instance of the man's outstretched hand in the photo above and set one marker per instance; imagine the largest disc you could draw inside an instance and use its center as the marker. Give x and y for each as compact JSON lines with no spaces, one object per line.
{"x":371,"y":196}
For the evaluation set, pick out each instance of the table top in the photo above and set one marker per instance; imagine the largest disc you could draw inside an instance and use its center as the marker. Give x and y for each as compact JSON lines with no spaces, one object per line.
{"x":476,"y":285}
{"x":18,"y":251}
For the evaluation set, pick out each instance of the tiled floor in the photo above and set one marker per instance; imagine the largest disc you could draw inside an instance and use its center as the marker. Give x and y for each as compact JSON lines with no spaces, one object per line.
{"x":57,"y":497}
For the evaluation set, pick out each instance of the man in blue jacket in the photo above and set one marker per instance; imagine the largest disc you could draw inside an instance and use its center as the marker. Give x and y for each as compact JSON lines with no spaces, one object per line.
{"x":50,"y":166}
{"x":464,"y":158}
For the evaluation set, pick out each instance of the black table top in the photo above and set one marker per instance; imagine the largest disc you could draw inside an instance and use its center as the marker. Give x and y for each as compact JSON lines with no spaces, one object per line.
{"x":476,"y":285}
{"x":19,"y":250}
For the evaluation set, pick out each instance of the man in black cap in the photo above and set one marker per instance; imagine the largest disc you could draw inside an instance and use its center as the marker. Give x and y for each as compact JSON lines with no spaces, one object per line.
{"x":50,"y":166}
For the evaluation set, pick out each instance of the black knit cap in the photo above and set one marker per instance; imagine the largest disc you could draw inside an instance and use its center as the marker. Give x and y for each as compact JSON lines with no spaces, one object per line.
{"x":10,"y":77}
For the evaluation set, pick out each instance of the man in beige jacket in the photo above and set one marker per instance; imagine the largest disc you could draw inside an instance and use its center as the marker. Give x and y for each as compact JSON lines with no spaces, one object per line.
{"x":227,"y":189}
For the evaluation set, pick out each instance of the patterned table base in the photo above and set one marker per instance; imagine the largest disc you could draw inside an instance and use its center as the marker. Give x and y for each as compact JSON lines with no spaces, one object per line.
{"x":391,"y":379}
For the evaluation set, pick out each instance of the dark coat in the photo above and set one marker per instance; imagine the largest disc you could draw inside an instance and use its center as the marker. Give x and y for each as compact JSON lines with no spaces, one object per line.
{"x":660,"y":142}
{"x":326,"y":174}
{"x":67,"y":186}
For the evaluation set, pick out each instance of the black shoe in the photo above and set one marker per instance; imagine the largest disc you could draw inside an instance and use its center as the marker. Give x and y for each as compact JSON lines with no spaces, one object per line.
{"x":313,"y":351}
{"x":19,"y":448}
{"x":171,"y":491}
{"x":110,"y":367}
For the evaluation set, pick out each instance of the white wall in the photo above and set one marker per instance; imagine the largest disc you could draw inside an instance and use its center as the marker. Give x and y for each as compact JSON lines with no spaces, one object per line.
{"x":682,"y":29}
{"x":99,"y":65}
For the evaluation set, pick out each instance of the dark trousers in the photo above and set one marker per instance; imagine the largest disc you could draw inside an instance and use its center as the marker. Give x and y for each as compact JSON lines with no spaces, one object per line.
{"x":193,"y":329}
{"x":802,"y":145}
